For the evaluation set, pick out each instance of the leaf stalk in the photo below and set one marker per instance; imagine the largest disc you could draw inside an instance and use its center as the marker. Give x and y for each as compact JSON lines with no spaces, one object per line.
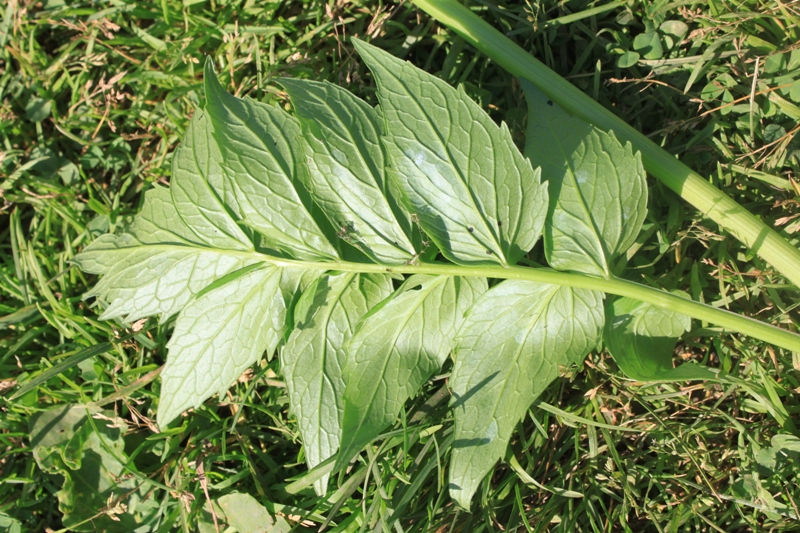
{"x":620,"y":287}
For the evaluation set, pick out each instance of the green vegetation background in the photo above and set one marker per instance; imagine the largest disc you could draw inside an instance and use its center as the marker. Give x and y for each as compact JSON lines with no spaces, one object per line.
{"x":94,"y":96}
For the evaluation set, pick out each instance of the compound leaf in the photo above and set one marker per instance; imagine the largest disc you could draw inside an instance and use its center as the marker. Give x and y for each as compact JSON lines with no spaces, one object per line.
{"x":259,"y":163}
{"x":641,"y":338}
{"x":460,"y":174}
{"x":598,"y":191}
{"x":341,"y":136}
{"x":238,"y":247}
{"x":218,"y":335}
{"x":313,"y":357}
{"x":508,"y":350}
{"x":396,"y":348}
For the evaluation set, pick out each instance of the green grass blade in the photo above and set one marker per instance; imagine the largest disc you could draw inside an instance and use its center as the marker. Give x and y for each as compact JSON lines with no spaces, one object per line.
{"x":69,"y":362}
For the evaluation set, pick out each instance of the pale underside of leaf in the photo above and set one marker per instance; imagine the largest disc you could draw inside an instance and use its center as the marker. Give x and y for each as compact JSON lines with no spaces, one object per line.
{"x":460,"y":174}
{"x":217,"y":337}
{"x":294,"y":282}
{"x":181,"y":241}
{"x":641,"y":338}
{"x":259,"y":162}
{"x":150,"y":280}
{"x":313,"y":357}
{"x":396,"y":348}
{"x":158,"y":266}
{"x":196,"y":203}
{"x":508,"y":350}
{"x":346,"y":168}
{"x":203,"y":138}
{"x":598,"y":191}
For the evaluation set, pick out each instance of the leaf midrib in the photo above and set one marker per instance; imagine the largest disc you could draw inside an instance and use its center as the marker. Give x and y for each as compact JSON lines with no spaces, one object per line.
{"x":611,"y":285}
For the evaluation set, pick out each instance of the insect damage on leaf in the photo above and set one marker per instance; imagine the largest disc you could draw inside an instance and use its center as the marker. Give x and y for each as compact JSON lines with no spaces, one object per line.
{"x":277,"y":233}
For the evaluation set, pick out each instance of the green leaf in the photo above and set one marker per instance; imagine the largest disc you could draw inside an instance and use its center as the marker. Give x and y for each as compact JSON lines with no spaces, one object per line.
{"x":259,"y":162}
{"x":341,"y":136}
{"x":674,"y":28}
{"x":218,"y":336}
{"x":794,"y":91}
{"x":181,"y":241}
{"x":90,"y":458}
{"x":598,"y":192}
{"x":9,"y":524}
{"x":641,"y":338}
{"x":246,"y":515}
{"x":37,"y":109}
{"x":396,"y":348}
{"x":508,"y":350}
{"x":313,"y":357}
{"x":649,"y":45}
{"x":459,"y":173}
{"x":626,"y":60}
{"x":237,"y":247}
{"x":55,"y":427}
{"x":196,"y":203}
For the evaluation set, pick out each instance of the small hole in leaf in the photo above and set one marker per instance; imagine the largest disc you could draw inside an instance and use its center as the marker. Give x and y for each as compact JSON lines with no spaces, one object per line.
{"x":499,"y":223}
{"x":550,"y":102}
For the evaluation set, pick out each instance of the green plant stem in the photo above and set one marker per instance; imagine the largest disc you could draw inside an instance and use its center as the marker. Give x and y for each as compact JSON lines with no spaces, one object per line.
{"x":692,"y":187}
{"x":620,"y":287}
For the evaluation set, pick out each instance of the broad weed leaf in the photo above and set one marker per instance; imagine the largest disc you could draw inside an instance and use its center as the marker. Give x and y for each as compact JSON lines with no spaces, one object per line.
{"x":459,"y":173}
{"x":641,"y":338}
{"x":508,"y":350}
{"x":162,"y":261}
{"x":260,"y":156}
{"x":91,"y":460}
{"x":218,"y":336}
{"x":313,"y":357}
{"x":341,"y":137}
{"x":396,"y":348}
{"x":247,"y":515}
{"x":598,"y":191}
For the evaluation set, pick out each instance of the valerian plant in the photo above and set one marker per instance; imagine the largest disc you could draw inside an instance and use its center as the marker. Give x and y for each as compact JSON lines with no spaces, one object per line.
{"x":367,"y":245}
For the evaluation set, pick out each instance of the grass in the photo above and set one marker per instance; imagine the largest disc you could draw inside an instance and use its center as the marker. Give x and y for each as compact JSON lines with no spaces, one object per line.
{"x":93,"y":102}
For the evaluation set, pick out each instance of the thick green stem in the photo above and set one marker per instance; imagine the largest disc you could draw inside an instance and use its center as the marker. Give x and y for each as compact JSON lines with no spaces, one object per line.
{"x":709,"y":200}
{"x":665,"y":300}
